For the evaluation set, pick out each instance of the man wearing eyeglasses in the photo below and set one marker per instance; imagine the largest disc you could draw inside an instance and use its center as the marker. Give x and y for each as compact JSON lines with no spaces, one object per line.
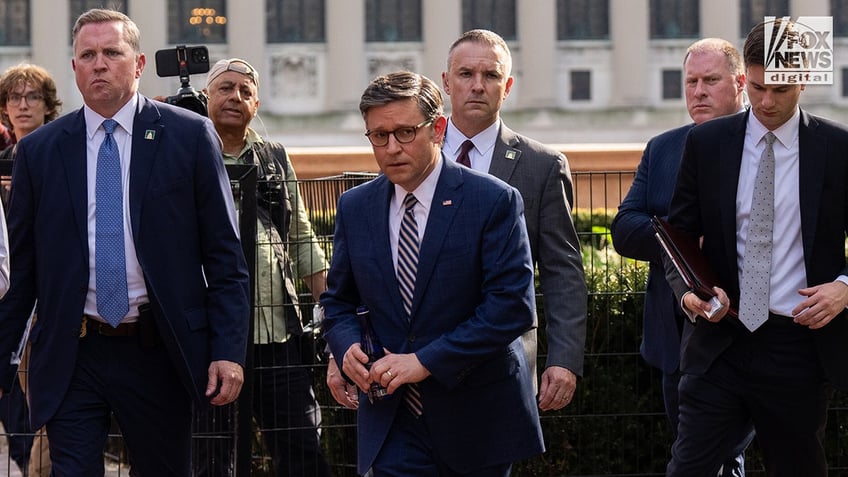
{"x":439,"y":255}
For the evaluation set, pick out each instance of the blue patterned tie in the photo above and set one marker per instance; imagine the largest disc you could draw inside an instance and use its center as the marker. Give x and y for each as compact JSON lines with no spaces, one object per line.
{"x":407,"y":269}
{"x":110,"y":262}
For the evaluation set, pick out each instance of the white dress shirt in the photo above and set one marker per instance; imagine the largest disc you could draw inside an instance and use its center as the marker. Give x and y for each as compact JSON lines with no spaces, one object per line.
{"x":788,"y":273}
{"x":484,"y":145}
{"x":424,"y":193}
{"x":136,"y":290}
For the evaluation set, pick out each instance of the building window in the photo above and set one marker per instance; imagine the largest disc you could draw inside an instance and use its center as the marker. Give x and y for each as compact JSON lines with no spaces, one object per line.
{"x":197,"y":21}
{"x":392,"y":20}
{"x":582,"y":19}
{"x":672,"y":84}
{"x":78,"y":7}
{"x":14,"y":23}
{"x":845,"y":82}
{"x":754,"y":11}
{"x":295,"y":21}
{"x":675,"y":19}
{"x":839,"y":11}
{"x":495,"y":15}
{"x":581,"y":85}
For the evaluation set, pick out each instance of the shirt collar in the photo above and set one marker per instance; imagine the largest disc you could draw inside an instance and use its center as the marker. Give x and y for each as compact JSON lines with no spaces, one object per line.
{"x":424,"y":192}
{"x":125,"y":117}
{"x":252,"y":137}
{"x":484,"y":141}
{"x":786,"y":134}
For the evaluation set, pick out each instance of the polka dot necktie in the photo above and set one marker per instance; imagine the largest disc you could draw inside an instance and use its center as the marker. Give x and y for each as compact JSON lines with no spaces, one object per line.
{"x":110,"y":261}
{"x":756,"y":272}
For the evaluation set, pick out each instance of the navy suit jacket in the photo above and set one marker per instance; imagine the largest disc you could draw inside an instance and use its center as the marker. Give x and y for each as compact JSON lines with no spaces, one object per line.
{"x":183,"y":227}
{"x":633,"y":237}
{"x":543,"y":178}
{"x":704,"y":204}
{"x":473,"y":300}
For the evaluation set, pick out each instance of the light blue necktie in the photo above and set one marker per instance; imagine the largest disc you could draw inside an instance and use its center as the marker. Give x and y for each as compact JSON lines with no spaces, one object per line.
{"x":756,"y":272}
{"x":110,"y":262}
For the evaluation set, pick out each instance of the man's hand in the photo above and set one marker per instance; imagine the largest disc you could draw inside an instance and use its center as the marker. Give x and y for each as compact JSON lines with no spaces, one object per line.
{"x":227,"y":378}
{"x":557,"y":389}
{"x":343,"y":392}
{"x":394,"y":370}
{"x":822,"y":304}
{"x":695,"y":305}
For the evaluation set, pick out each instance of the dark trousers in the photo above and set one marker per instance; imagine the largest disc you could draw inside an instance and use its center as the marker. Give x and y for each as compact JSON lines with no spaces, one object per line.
{"x":408,"y":450}
{"x":15,"y":417}
{"x":286,"y":412}
{"x":734,"y":465}
{"x":140,"y":387}
{"x":772,"y":378}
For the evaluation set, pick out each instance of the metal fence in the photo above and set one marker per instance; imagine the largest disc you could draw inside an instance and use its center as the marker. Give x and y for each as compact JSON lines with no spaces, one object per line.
{"x":615,"y":425}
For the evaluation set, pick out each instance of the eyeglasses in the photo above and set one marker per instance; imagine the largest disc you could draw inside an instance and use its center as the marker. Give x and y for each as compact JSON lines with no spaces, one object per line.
{"x":402,"y":135}
{"x":31,"y":98}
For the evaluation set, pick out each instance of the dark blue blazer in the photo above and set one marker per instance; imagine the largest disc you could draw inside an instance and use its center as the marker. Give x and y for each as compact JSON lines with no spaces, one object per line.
{"x":633,"y":237}
{"x":182,"y":217}
{"x":473,"y":300}
{"x":704,"y":204}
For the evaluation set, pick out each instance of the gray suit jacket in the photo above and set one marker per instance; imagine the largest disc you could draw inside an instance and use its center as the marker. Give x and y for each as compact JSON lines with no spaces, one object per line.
{"x":543,"y":178}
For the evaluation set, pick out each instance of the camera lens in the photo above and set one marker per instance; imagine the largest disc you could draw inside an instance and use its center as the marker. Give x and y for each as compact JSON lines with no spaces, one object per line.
{"x":200,"y":55}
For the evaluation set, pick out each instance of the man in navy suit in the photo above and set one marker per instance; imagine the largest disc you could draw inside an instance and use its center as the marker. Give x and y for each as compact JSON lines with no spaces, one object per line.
{"x":181,"y":333}
{"x":453,"y":336}
{"x":714,"y":79}
{"x":776,"y":364}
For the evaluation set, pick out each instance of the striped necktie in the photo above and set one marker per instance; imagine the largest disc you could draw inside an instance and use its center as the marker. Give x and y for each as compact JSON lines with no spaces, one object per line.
{"x":407,"y":269}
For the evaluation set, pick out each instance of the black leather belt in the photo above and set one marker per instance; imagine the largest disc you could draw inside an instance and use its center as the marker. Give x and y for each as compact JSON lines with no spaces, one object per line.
{"x":92,"y":325}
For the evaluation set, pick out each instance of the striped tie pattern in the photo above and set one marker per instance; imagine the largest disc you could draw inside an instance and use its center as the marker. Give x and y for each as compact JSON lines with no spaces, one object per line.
{"x":407,"y":269}
{"x":754,"y":286}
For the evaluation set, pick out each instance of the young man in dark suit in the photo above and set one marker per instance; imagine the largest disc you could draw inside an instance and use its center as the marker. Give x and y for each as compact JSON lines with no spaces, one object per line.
{"x":139,"y":275}
{"x":714,"y":80}
{"x":767,"y":192}
{"x":439,"y":255}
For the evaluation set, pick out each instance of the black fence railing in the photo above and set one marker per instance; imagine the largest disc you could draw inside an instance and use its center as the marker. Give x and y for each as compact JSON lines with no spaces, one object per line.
{"x":615,"y":425}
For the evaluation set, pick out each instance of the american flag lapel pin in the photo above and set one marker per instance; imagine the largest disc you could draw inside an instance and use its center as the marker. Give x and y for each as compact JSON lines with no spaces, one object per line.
{"x":447,"y":202}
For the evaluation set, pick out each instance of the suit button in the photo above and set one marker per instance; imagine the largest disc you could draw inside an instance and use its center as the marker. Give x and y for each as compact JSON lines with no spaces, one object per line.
{"x":411,"y":338}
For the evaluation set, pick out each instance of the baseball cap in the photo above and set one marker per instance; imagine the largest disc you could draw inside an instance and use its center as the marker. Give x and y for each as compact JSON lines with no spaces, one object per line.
{"x":233,"y":64}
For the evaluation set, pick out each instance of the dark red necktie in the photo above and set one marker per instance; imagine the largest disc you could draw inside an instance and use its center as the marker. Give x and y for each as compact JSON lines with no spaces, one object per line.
{"x":463,"y":158}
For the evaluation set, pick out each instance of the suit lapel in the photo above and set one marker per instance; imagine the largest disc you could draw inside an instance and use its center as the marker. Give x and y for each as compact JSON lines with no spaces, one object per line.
{"x":378,"y":222}
{"x":147,"y":132}
{"x":730,"y":164}
{"x":505,"y":155}
{"x":72,"y":147}
{"x":812,"y":151}
{"x":447,"y":199}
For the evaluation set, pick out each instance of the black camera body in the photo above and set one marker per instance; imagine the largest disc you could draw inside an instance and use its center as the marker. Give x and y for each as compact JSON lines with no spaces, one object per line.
{"x":184,"y":61}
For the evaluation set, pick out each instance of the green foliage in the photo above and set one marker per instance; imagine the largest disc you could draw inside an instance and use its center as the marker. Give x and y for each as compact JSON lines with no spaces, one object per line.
{"x":616,"y":424}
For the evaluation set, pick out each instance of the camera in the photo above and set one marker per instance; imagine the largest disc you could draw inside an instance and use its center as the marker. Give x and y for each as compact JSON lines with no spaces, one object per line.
{"x":184,"y":61}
